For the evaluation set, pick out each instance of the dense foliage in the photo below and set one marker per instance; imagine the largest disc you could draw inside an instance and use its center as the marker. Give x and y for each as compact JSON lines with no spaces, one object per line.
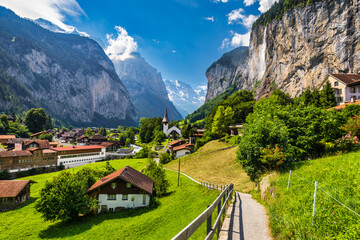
{"x":64,"y":197}
{"x":12,"y":128}
{"x":149,"y":128}
{"x":282,"y":131}
{"x":46,"y":136}
{"x":157,"y":173}
{"x":279,"y":8}
{"x":37,"y":120}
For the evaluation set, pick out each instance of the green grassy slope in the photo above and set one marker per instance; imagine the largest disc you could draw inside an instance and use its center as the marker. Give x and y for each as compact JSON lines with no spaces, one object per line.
{"x":175,"y":211}
{"x":291,"y":210}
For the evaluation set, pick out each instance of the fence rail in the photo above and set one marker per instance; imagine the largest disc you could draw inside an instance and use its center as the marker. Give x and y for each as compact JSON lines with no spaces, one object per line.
{"x":225,"y":195}
{"x":213,"y":185}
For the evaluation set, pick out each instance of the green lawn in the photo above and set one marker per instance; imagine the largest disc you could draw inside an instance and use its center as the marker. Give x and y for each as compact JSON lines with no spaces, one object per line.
{"x":175,"y":211}
{"x":290,"y":210}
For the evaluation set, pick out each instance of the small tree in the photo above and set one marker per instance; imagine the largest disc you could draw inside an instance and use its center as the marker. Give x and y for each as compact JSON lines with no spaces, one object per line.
{"x":36,"y":119}
{"x":165,"y":158}
{"x":157,"y":173}
{"x":328,"y":99}
{"x":102,"y":131}
{"x":46,"y":136}
{"x":89,"y":132}
{"x":128,"y":142}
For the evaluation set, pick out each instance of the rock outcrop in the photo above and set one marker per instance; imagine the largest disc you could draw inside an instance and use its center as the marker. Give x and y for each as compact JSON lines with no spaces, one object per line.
{"x":299,"y":49}
{"x":146,"y":87}
{"x":68,"y":75}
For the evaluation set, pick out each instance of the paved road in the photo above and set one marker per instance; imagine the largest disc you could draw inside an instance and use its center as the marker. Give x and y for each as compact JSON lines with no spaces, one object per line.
{"x":248,"y":220}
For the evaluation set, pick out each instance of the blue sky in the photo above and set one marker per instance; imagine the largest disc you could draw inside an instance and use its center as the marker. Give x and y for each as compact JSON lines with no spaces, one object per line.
{"x":181,"y":38}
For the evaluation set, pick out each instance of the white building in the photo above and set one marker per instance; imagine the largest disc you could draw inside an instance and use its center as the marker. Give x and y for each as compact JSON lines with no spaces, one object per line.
{"x":79,"y":155}
{"x":346,"y":87}
{"x":125,"y":188}
{"x":166,"y":129}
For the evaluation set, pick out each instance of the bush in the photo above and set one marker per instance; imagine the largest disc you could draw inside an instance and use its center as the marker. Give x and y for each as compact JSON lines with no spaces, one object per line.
{"x":353,"y":126}
{"x":5,"y":175}
{"x":348,"y":143}
{"x":165,"y":158}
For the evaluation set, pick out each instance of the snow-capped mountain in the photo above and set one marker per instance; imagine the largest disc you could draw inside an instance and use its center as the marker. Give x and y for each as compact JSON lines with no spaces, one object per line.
{"x":184,"y":97}
{"x":55,"y":28}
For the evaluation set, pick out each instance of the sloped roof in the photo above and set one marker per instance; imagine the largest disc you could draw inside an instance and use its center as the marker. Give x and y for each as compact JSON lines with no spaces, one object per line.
{"x":176,"y":142}
{"x":37,"y":134}
{"x":130,"y":175}
{"x":7,"y":136}
{"x":15,"y":153}
{"x":107,"y":144}
{"x":77,"y":148}
{"x":184,"y":146}
{"x":347,"y":78}
{"x":166,"y":118}
{"x":97,"y":137}
{"x":42,"y":143}
{"x":339,"y":107}
{"x":11,"y":188}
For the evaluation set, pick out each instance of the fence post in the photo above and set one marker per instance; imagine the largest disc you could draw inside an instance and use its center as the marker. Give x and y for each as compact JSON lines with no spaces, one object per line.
{"x":208,"y":228}
{"x":218,"y":227}
{"x":289,"y":180}
{"x":313,"y":215}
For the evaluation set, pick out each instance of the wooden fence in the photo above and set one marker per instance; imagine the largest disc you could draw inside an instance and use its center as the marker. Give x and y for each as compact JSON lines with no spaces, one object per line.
{"x":225,"y":195}
{"x":213,"y":186}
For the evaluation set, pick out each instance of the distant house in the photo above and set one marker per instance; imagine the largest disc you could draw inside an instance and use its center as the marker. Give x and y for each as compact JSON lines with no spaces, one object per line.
{"x":37,"y":135}
{"x":182,"y":150}
{"x":97,"y":139}
{"x":346,"y":87}
{"x":176,"y":143}
{"x":36,"y":143}
{"x":14,"y":192}
{"x":235,"y":129}
{"x":5,"y":138}
{"x":125,"y":188}
{"x":83,"y":140}
{"x":110,"y":146}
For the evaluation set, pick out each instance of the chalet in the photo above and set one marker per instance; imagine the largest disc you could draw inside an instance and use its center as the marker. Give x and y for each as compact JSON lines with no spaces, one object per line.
{"x":36,"y":143}
{"x":83,"y":140}
{"x":182,"y":150}
{"x":346,"y":87}
{"x":15,"y":143}
{"x":176,"y":143}
{"x":125,"y":188}
{"x":37,"y":135}
{"x":14,"y":192}
{"x":5,"y":138}
{"x":111,"y":146}
{"x":79,"y":155}
{"x":97,"y":139}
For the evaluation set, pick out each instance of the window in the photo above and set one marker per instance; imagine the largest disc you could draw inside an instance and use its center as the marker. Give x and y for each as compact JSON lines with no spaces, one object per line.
{"x":113,"y":185}
{"x":336,"y":84}
{"x":352,"y":90}
{"x":128,"y":185}
{"x":124,"y":197}
{"x":111,"y":197}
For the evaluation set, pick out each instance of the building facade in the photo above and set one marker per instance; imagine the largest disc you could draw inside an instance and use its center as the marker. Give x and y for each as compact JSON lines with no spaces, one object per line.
{"x":346,"y":87}
{"x":13,"y":193}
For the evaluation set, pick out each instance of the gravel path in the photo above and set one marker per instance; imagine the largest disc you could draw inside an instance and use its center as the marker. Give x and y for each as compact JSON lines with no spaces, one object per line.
{"x":248,"y":220}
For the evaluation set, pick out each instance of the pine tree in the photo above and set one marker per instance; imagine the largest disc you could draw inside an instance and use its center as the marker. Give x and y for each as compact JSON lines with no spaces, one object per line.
{"x":328,"y":99}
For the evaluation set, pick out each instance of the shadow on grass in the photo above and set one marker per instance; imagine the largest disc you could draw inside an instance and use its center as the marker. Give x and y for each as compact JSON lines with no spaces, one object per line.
{"x":82,"y":224}
{"x":22,"y":205}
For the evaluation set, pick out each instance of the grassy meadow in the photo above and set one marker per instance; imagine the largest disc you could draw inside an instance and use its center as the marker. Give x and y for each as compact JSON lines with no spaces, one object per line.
{"x":176,"y":210}
{"x":290,"y":210}
{"x":215,"y":162}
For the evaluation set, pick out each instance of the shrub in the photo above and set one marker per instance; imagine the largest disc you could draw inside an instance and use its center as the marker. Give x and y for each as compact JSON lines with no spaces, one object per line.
{"x":273,"y":157}
{"x":348,"y":143}
{"x":157,"y":173}
{"x":165,"y":158}
{"x":353,"y":126}
{"x":5,"y":175}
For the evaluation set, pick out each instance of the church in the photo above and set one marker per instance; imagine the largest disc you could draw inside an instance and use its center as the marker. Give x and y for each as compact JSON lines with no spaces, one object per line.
{"x":166,"y":129}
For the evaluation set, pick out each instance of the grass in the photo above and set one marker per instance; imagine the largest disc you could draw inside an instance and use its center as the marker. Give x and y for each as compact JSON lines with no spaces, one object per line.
{"x":215,"y":162}
{"x":176,"y":210}
{"x":290,"y":210}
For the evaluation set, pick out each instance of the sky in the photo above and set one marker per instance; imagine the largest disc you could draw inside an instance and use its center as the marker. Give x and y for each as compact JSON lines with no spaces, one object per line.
{"x":181,"y":38}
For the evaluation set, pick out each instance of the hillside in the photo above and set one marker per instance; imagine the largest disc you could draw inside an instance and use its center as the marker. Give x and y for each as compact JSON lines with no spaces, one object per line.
{"x":190,"y":199}
{"x":215,"y":162}
{"x":68,"y":75}
{"x":290,"y":210}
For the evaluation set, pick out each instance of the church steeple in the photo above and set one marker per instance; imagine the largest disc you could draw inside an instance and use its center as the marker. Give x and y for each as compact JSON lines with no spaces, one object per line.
{"x":166,"y":118}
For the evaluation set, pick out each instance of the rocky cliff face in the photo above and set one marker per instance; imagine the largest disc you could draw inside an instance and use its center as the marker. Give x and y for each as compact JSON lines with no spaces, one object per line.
{"x":299,"y":49}
{"x":224,"y":72}
{"x":146,"y":87}
{"x":69,"y":75}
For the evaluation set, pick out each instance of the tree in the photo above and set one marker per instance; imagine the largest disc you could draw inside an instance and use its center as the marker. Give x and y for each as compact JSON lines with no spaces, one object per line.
{"x":218,"y":126}
{"x":4,"y":124}
{"x":64,"y":198}
{"x":128,"y":142}
{"x":46,"y":136}
{"x":157,"y":173}
{"x":165,"y":158}
{"x":89,"y":132}
{"x":36,"y":119}
{"x":328,"y":99}
{"x":102,"y":131}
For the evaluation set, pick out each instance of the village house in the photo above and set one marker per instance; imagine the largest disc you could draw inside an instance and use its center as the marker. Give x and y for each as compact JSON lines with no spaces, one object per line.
{"x":346,"y":87}
{"x":97,"y":139}
{"x":125,"y":188}
{"x":37,"y":135}
{"x":112,"y":146}
{"x":5,"y":138}
{"x":36,"y":143}
{"x":13,"y":193}
{"x":82,"y":140}
{"x":183,"y":150}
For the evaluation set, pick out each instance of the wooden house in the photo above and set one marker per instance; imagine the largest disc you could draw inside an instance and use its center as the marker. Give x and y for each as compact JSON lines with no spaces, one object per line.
{"x":125,"y":188}
{"x":14,"y":192}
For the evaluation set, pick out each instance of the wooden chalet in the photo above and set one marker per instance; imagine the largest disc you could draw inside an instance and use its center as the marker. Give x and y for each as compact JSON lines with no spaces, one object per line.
{"x":125,"y":188}
{"x":14,"y":192}
{"x":97,"y":139}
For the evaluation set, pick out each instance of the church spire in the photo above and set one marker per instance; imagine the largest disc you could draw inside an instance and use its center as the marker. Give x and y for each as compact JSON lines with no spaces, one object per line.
{"x":165,"y":119}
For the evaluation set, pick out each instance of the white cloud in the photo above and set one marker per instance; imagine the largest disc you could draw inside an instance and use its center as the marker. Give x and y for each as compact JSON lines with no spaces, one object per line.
{"x":173,"y":51}
{"x":217,"y":1}
{"x":209,"y":18}
{"x":225,"y":43}
{"x":236,"y":16}
{"x":240,"y":40}
{"x":54,"y":11}
{"x":249,"y":2}
{"x":156,"y":41}
{"x":265,"y":5}
{"x":121,"y":47}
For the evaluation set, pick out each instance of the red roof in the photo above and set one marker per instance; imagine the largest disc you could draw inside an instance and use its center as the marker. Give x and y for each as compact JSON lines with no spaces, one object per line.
{"x":344,"y":105}
{"x":107,"y":144}
{"x":15,"y":153}
{"x":184,"y":146}
{"x":37,"y":134}
{"x":7,"y":136}
{"x":77,"y":148}
{"x":128,"y":174}
{"x":11,"y":188}
{"x":347,"y":78}
{"x":176,"y":142}
{"x":41,"y":143}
